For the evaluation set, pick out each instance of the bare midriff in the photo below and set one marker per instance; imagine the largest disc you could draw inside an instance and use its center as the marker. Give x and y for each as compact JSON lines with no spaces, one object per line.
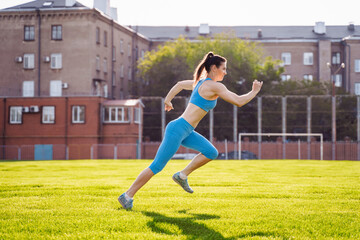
{"x":193,"y":114}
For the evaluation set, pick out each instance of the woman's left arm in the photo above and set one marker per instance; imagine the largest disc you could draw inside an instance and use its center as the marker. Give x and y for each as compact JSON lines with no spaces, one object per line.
{"x":186,"y":84}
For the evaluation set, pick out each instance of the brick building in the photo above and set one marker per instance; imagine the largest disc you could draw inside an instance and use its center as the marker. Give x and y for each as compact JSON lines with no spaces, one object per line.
{"x":305,"y":50}
{"x":69,"y":127}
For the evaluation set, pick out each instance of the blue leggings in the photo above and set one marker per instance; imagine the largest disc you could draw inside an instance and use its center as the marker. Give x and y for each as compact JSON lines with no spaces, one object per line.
{"x":180,"y":132}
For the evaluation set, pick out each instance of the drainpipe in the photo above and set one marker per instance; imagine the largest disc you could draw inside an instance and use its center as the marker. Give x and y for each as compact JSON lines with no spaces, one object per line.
{"x":112,"y":58}
{"x":66,"y":121}
{"x":39,"y":49}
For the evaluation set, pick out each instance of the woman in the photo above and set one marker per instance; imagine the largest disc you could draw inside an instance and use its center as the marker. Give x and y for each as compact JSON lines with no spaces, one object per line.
{"x":181,"y":130}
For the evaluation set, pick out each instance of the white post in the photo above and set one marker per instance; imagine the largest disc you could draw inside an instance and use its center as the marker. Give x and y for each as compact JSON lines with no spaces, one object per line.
{"x":19,"y":153}
{"x":239,"y":156}
{"x":299,"y":154}
{"x":92,"y":152}
{"x":226,"y":150}
{"x":115,"y":152}
{"x":321,"y":147}
{"x":211,"y":123}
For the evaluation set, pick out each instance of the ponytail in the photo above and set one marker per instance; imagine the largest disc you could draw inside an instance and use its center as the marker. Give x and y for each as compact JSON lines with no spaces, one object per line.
{"x":208,"y":60}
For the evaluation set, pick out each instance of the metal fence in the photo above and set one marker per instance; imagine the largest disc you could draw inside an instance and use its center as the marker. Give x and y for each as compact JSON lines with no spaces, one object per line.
{"x":250,"y":149}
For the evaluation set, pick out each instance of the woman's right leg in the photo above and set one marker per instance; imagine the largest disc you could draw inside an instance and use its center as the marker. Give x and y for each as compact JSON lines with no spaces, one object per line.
{"x":140,"y":181}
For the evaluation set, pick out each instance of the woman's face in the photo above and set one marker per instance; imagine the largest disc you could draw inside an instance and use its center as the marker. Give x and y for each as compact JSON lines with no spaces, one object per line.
{"x":220,"y":72}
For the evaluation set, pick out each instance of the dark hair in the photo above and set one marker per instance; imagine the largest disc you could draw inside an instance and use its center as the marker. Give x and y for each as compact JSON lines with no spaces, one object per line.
{"x":206,"y":63}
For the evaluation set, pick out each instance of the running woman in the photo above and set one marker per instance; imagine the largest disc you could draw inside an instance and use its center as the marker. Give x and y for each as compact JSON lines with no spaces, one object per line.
{"x":180,"y":131}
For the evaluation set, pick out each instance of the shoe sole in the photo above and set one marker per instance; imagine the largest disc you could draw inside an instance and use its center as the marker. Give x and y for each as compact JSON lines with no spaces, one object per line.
{"x":175,"y":180}
{"x":122,"y":203}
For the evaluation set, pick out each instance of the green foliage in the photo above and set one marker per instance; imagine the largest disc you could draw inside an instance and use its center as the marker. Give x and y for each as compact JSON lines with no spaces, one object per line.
{"x":256,"y":199}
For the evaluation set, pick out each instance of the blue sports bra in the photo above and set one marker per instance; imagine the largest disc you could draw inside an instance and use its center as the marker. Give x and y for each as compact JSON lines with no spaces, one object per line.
{"x":199,"y":101}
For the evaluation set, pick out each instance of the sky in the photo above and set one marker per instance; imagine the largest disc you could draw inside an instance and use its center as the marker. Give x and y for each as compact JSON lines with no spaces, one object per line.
{"x":229,"y":12}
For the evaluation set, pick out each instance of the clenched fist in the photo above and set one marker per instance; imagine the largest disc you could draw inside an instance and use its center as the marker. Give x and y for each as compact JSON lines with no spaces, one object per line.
{"x":257,"y":86}
{"x":168,"y":106}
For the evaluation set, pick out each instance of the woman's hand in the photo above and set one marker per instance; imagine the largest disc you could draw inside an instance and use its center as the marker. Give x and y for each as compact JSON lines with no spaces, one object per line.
{"x":168,"y":106}
{"x":257,"y":86}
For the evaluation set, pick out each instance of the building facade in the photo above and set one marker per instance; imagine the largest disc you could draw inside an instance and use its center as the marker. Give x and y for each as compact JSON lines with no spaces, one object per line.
{"x":65,"y":50}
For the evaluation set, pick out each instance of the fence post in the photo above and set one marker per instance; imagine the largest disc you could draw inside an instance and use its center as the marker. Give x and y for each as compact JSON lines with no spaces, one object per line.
{"x":19,"y":153}
{"x":92,"y":152}
{"x":358,"y":128}
{"x":162,"y":118}
{"x":235,"y":123}
{"x":211,"y":124}
{"x":308,"y":109}
{"x":283,"y":104}
{"x":259,"y":125}
{"x":226,"y":150}
{"x":115,"y":151}
{"x":333,"y":126}
{"x":67,"y":152}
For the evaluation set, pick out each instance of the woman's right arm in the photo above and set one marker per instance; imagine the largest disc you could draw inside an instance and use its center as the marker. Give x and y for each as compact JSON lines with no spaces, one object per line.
{"x":238,"y":100}
{"x":186,"y":84}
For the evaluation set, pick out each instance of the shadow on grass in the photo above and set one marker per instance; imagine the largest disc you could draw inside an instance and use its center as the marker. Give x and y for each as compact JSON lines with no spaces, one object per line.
{"x":192,"y":229}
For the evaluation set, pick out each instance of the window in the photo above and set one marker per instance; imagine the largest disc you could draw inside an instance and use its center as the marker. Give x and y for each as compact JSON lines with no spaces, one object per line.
{"x":29,"y":61}
{"x":48,"y":114}
{"x":78,"y":114}
{"x":56,"y":32}
{"x":337,"y":79}
{"x":286,"y":58}
{"x":28,"y":88}
{"x":142,"y":54}
{"x":129,"y":73}
{"x":129,"y":50}
{"x":357,"y":88}
{"x":105,"y":90}
{"x":29,"y":33}
{"x":308,"y":77}
{"x":137,"y":117}
{"x":55,"y":88}
{"x":105,"y":38}
{"x":285,"y":77}
{"x":97,"y":88}
{"x":116,"y":114}
{"x":56,"y":61}
{"x":105,"y":65}
{"x":335,"y":59}
{"x":15,"y":115}
{"x":98,"y":35}
{"x":122,"y":71}
{"x":114,"y":54}
{"x":121,"y":46}
{"x":113,"y":78}
{"x":97,"y":63}
{"x":47,"y":3}
{"x":308,"y":58}
{"x":357,"y":65}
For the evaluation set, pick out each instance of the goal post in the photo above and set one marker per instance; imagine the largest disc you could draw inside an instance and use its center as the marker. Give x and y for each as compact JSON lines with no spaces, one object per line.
{"x":320,"y":135}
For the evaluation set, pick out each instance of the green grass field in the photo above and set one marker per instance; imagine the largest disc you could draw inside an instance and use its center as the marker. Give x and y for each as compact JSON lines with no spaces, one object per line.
{"x":256,"y":199}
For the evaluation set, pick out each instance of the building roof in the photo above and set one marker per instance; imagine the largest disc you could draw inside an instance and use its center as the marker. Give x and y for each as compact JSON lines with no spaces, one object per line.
{"x":164,"y":33}
{"x":51,"y":4}
{"x":125,"y":102}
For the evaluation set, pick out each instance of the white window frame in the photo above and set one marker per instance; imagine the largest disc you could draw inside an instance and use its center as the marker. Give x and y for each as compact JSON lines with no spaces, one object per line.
{"x":29,"y":61}
{"x":308,"y":58}
{"x":129,"y":73}
{"x":48,"y":114}
{"x":122,"y":46}
{"x":15,"y":115}
{"x":285,"y":77}
{"x":286,"y":58}
{"x":97,"y":63}
{"x":105,"y":88}
{"x":55,"y":88}
{"x":97,"y":35}
{"x":337,"y":80}
{"x":122,"y":71}
{"x":357,"y":65}
{"x":116,"y":120}
{"x":28,"y":89}
{"x":29,"y":33}
{"x":76,"y":110}
{"x":129,"y":50}
{"x":142,"y":54}
{"x":357,"y":88}
{"x":308,"y":77}
{"x":56,"y":61}
{"x":105,"y":65}
{"x":137,"y":116}
{"x":335,"y":58}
